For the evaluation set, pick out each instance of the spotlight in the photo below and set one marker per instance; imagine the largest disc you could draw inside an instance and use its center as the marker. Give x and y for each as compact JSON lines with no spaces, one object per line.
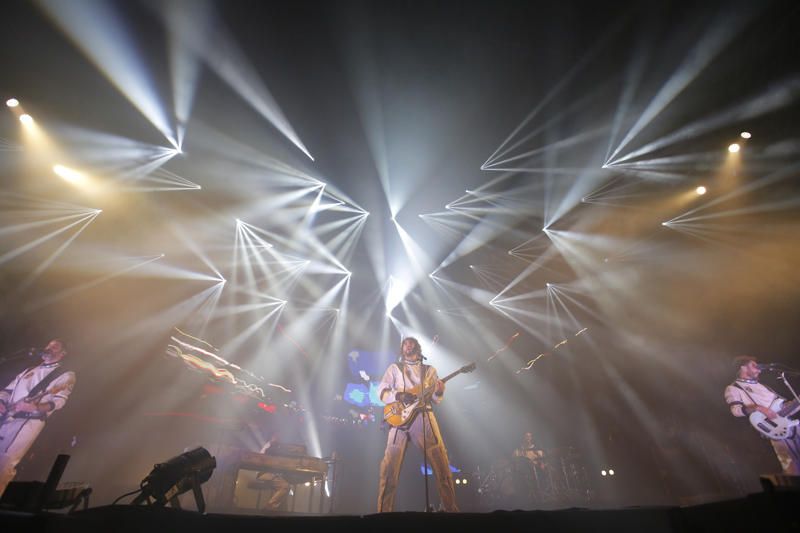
{"x":70,"y":175}
{"x":182,"y":473}
{"x":700,"y":190}
{"x":733,"y":148}
{"x":458,"y":481}
{"x":610,"y":472}
{"x":12,"y":102}
{"x":603,"y":473}
{"x":464,"y":481}
{"x":745,"y":135}
{"x":26,"y":119}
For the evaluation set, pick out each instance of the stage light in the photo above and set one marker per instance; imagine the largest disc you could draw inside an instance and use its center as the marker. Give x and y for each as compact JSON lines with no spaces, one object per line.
{"x":458,"y":481}
{"x":180,"y":474}
{"x":610,"y":472}
{"x":700,"y":190}
{"x":665,"y":223}
{"x":26,"y":119}
{"x":70,"y":175}
{"x":465,"y":481}
{"x":12,"y":102}
{"x":603,"y":473}
{"x":745,"y":135}
{"x":733,"y":148}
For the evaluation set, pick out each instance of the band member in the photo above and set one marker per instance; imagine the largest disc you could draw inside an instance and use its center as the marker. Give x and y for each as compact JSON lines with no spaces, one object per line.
{"x":397,"y":380}
{"x":528,"y":449}
{"x":529,"y":474}
{"x":280,"y":486}
{"x":27,"y":402}
{"x":746,"y":396}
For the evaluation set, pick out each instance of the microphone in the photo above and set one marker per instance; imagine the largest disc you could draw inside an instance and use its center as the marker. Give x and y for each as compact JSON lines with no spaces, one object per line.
{"x":767,"y":366}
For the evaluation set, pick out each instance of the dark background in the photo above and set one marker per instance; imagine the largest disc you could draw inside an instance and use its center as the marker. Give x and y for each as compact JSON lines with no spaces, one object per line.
{"x":439,"y":85}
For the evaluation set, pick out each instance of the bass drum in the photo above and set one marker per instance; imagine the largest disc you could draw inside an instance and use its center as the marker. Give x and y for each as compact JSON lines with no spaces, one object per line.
{"x":497,"y":488}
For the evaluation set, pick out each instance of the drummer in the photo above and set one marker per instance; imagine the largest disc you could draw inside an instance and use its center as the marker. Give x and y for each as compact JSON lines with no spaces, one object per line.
{"x":528,"y":449}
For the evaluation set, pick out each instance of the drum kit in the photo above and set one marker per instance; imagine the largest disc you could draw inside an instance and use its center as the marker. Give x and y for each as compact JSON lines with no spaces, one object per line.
{"x":558,"y":478}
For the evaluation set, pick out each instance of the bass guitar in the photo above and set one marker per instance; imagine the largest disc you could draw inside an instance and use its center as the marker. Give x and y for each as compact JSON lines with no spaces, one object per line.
{"x":400,"y":414}
{"x":12,"y":413}
{"x":781,"y":427}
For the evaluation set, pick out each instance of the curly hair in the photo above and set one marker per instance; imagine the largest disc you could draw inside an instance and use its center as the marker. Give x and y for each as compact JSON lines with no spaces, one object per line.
{"x":417,"y":346}
{"x":741,"y":360}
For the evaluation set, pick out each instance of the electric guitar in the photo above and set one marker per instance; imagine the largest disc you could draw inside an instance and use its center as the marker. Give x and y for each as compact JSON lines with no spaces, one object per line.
{"x":781,"y":427}
{"x":11,"y":410}
{"x":399,"y":414}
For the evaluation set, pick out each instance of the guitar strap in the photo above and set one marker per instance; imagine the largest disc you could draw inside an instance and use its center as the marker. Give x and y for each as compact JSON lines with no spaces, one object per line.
{"x":735,"y":384}
{"x":46,"y":381}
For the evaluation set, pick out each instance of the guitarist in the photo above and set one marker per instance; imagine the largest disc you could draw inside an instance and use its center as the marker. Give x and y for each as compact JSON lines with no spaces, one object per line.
{"x":746,"y":395}
{"x":400,"y":378}
{"x":26,"y":403}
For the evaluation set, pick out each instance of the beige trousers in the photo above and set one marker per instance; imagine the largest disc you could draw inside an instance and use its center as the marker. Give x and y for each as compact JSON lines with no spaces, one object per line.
{"x":16,"y":437}
{"x":437,"y":459}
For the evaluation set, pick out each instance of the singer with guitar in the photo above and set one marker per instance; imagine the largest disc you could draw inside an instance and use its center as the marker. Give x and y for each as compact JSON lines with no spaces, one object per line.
{"x":26,"y":403}
{"x":411,"y":384}
{"x":766,"y":410}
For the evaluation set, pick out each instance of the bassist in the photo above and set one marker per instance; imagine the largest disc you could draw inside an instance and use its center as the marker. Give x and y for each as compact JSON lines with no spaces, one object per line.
{"x":27,"y":402}
{"x":746,"y":396}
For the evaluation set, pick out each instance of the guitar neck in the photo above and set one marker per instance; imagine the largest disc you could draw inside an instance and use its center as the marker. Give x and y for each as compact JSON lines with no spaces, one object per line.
{"x":462,"y":370}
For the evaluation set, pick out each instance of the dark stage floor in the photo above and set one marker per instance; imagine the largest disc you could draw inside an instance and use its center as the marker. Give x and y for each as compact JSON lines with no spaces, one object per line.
{"x":758,"y":512}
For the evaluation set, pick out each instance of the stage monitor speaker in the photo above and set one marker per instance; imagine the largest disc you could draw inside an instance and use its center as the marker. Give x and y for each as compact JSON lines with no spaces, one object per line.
{"x":33,"y":496}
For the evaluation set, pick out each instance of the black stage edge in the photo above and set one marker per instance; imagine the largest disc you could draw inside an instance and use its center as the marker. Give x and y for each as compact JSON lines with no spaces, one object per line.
{"x":769,"y":511}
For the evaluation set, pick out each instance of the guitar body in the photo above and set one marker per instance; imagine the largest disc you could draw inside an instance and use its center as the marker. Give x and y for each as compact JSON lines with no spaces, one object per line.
{"x":781,"y":427}
{"x":12,"y":413}
{"x":398,"y":414}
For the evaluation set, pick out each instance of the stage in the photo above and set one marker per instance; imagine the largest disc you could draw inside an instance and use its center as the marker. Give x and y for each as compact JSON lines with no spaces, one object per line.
{"x":774,"y":511}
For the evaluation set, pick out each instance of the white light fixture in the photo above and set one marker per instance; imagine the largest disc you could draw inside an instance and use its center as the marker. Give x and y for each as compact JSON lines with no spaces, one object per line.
{"x":700,"y":190}
{"x":12,"y":102}
{"x":734,"y":148}
{"x":745,"y":135}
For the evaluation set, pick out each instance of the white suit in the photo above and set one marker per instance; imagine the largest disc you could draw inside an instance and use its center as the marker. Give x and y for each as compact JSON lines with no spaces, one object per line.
{"x":400,"y":378}
{"x":17,"y":435}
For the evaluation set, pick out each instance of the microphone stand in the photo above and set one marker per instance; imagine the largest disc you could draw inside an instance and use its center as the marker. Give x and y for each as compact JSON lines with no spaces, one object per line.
{"x":14,"y":356}
{"x":424,"y":373}
{"x":782,"y":377}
